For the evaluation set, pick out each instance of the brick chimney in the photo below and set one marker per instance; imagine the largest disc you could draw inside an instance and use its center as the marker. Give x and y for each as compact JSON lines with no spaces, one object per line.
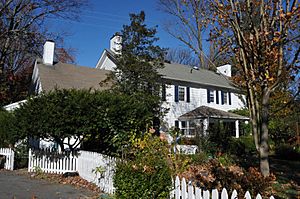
{"x":48,"y":54}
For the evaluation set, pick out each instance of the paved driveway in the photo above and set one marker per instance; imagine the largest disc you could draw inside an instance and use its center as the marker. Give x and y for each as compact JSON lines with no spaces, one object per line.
{"x":14,"y":186}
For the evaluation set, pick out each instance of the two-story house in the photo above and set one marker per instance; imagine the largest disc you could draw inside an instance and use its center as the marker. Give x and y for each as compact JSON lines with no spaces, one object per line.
{"x":193,"y":96}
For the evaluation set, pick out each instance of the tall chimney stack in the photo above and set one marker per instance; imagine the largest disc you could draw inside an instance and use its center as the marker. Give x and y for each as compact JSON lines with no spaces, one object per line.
{"x":116,"y":43}
{"x":48,"y":54}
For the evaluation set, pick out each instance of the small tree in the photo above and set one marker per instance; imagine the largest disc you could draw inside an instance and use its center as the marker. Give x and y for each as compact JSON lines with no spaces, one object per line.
{"x":110,"y":118}
{"x":264,"y":38}
{"x":140,"y":59}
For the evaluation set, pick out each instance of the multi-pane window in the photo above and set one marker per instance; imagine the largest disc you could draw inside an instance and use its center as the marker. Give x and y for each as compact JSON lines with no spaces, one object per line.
{"x":188,"y":128}
{"x":225,"y":97}
{"x":181,"y":93}
{"x":211,"y":96}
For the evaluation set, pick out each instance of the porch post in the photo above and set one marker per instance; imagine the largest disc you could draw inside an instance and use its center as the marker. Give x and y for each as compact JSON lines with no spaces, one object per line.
{"x":205,"y":126}
{"x":237,"y":130}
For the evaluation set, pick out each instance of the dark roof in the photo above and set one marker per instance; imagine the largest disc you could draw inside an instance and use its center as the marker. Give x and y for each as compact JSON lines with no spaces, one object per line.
{"x":205,"y":112}
{"x":201,"y":77}
{"x":62,"y":75}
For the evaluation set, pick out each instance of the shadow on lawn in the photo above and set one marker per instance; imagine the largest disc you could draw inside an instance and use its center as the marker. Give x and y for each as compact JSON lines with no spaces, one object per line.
{"x":288,"y":177}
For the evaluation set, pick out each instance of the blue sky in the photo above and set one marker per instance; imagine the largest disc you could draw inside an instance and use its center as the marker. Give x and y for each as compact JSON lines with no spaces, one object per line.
{"x":90,"y":36}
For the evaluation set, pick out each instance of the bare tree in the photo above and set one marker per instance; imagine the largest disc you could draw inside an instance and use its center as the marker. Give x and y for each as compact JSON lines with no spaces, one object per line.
{"x":190,"y":20}
{"x":263,"y":35}
{"x":22,"y":33}
{"x":182,"y":56}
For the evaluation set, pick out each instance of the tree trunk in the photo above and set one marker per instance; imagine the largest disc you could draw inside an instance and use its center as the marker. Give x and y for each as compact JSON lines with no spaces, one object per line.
{"x":264,"y":147}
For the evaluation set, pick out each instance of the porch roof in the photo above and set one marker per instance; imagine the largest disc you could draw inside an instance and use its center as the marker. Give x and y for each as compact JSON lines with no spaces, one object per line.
{"x":208,"y":112}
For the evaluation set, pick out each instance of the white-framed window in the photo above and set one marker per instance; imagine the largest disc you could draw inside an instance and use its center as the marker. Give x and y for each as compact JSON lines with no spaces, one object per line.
{"x":225,"y":97}
{"x":188,"y":128}
{"x":211,"y":96}
{"x":181,"y":93}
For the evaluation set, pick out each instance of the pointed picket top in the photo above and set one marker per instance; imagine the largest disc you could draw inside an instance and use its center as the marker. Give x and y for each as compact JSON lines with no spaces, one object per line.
{"x":198,"y":193}
{"x":183,"y":189}
{"x":177,"y":188}
{"x":206,"y":194}
{"x":190,"y":190}
{"x":215,"y":194}
{"x":234,"y":195}
{"x":272,"y":197}
{"x":247,"y":195}
{"x":258,"y":196}
{"x":224,"y":194}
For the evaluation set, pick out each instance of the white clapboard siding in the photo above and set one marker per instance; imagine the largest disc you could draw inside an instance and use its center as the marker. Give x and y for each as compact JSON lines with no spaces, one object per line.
{"x":45,"y":163}
{"x":184,"y":190}
{"x":9,"y":158}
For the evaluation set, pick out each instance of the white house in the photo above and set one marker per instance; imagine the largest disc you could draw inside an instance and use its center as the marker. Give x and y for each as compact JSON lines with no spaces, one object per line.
{"x":49,"y":74}
{"x":193,"y":96}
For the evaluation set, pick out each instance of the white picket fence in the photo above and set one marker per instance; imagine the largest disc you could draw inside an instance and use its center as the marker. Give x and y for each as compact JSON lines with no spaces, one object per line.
{"x":49,"y":163}
{"x":9,"y":158}
{"x":184,"y":190}
{"x":91,"y":166}
{"x":97,"y":168}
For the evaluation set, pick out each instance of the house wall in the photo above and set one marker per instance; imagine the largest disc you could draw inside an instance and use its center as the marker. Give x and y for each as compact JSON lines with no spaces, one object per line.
{"x":198,"y":97}
{"x":105,"y":62}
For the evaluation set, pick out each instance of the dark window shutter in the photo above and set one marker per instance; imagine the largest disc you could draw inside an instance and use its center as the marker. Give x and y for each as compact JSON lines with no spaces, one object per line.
{"x":217,"y":96}
{"x":222,"y":97}
{"x":188,"y":94}
{"x":163,"y":94}
{"x":208,"y":97}
{"x":176,"y":93}
{"x":229,"y":98}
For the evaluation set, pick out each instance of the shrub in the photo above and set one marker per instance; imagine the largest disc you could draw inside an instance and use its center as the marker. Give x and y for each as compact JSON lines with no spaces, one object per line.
{"x":242,"y":146}
{"x":21,"y":155}
{"x":146,"y":172}
{"x":286,"y":151}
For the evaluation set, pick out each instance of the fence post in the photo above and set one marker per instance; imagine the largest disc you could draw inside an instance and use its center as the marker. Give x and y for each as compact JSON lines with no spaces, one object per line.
{"x":29,"y":160}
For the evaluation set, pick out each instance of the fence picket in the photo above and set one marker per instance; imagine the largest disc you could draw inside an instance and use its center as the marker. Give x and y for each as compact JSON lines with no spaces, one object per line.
{"x":191,"y":190}
{"x":177,"y":188}
{"x":183,"y":189}
{"x":224,"y":194}
{"x":9,"y":158}
{"x":258,"y":196}
{"x":234,"y":195}
{"x":206,"y":194}
{"x":215,"y":194}
{"x":198,"y":193}
{"x":247,"y":195}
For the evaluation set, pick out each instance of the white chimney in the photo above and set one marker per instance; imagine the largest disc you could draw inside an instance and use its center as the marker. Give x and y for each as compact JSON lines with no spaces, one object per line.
{"x":225,"y":70}
{"x":48,"y":54}
{"x":116,"y":43}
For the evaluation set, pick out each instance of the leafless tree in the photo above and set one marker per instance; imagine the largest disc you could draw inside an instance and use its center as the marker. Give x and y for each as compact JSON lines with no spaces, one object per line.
{"x":182,"y":56}
{"x":22,"y":33}
{"x":190,"y":19}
